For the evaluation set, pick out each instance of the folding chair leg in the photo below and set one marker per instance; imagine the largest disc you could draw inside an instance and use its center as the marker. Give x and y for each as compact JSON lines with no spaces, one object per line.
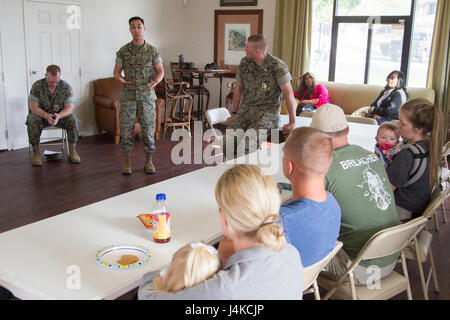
{"x":433,"y":270}
{"x":405,"y":273}
{"x":316,"y":290}
{"x":352,"y":286}
{"x":419,"y":265}
{"x":443,"y":211}
{"x":436,"y":222}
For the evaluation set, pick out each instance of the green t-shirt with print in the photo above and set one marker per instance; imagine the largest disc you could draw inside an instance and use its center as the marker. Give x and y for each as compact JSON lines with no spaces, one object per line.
{"x":358,"y":181}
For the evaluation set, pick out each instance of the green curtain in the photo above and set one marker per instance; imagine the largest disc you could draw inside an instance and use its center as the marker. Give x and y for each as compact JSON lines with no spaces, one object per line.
{"x":438,"y":74}
{"x":293,"y":29}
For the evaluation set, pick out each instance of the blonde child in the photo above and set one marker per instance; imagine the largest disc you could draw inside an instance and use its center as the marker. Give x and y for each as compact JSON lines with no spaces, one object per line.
{"x":387,"y":139}
{"x":190,"y":265}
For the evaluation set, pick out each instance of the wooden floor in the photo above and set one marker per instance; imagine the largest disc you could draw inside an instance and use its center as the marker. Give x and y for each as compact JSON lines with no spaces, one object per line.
{"x":29,"y":194}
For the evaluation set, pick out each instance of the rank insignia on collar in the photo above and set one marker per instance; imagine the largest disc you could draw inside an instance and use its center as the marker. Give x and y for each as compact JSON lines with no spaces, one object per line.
{"x":264,"y":86}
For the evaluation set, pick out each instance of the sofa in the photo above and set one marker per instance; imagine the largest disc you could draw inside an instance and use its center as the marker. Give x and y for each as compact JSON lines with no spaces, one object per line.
{"x":351,"y":97}
{"x":107,"y":107}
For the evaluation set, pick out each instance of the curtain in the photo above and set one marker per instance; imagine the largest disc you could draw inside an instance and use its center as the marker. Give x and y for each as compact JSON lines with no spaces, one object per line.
{"x":438,"y":74}
{"x":293,"y":29}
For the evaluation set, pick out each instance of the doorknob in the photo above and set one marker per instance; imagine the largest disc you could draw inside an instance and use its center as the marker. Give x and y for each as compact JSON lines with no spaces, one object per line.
{"x":34,"y":72}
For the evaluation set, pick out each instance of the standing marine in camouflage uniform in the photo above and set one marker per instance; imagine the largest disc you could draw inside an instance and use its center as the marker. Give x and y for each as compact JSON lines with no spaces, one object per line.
{"x":143,"y":70}
{"x":51,"y":104}
{"x":261,"y":80}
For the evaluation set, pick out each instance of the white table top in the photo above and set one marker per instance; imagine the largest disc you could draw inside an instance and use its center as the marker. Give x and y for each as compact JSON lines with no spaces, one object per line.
{"x":36,"y":259}
{"x":360,"y":134}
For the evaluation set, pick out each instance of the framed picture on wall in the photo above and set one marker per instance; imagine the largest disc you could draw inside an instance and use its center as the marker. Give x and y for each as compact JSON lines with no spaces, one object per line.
{"x":225,"y":3}
{"x":231,"y":31}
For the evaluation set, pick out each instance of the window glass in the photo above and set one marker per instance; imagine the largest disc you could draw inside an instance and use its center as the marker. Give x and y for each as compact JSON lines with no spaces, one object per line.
{"x":373,"y":8}
{"x":351,"y":52}
{"x":386,"y":52}
{"x":321,"y":38}
{"x":421,"y":42}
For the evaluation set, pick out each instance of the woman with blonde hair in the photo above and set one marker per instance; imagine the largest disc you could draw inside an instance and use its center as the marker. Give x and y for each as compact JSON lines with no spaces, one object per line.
{"x":257,"y":261}
{"x":414,"y":171}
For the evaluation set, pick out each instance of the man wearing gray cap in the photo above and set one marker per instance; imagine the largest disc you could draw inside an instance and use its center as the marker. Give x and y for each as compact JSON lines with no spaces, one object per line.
{"x":358,"y":181}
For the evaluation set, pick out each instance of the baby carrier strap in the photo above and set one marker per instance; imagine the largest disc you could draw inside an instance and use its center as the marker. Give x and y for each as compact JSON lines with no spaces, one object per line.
{"x":420,"y":156}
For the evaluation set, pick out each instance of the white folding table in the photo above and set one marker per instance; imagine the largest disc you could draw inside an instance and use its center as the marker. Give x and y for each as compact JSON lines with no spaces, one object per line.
{"x":39,"y":260}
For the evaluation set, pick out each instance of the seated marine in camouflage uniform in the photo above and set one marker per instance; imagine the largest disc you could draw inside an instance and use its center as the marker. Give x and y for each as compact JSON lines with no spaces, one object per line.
{"x":261,"y":80}
{"x":51,"y":104}
{"x":142,"y":65}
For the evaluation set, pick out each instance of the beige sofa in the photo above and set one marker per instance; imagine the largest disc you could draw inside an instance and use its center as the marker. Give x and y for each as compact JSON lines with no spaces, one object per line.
{"x":351,"y":97}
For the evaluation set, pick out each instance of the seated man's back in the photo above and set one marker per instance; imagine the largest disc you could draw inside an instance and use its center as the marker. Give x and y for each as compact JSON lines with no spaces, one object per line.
{"x":312,"y":219}
{"x":359,"y":182}
{"x":312,"y":227}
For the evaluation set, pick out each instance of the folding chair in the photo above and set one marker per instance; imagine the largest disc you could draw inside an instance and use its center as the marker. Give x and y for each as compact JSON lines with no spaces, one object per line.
{"x":381,"y":244}
{"x":311,"y":273}
{"x":420,"y":247}
{"x":215,"y":116}
{"x":64,"y":143}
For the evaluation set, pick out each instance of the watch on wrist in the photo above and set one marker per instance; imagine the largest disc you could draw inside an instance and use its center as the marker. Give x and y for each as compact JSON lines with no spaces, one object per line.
{"x":233,"y":112}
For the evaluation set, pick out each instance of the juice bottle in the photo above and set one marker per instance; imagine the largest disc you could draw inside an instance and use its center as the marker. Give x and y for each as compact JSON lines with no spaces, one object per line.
{"x":161,"y":220}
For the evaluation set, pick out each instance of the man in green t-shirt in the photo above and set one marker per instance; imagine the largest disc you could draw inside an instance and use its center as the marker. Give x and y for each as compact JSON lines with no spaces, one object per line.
{"x":358,"y":181}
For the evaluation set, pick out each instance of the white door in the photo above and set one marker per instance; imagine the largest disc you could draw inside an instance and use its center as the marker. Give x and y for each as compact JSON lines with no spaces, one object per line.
{"x":3,"y":130}
{"x":52,"y":38}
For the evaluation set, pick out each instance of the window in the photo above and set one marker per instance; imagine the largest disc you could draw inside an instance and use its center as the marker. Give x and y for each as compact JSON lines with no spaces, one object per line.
{"x":362,"y":41}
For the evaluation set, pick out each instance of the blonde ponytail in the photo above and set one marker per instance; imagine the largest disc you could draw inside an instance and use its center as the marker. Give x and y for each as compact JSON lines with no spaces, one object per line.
{"x":251,"y":202}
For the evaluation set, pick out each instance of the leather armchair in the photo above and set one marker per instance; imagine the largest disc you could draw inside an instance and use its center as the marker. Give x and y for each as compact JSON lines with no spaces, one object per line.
{"x":107,"y":107}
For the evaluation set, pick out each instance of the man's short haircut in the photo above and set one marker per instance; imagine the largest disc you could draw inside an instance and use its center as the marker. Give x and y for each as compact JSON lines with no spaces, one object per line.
{"x":53,"y":70}
{"x":136,"y":18}
{"x":310,"y":149}
{"x":389,"y":125}
{"x":259,"y":40}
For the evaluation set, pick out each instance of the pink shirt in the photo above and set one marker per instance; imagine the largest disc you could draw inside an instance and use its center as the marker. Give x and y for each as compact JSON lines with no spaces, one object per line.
{"x":320,"y":92}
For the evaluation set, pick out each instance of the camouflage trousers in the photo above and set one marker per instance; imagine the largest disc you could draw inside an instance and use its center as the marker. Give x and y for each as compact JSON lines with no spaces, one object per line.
{"x":35,"y":124}
{"x":246,"y":126}
{"x":145,"y":111}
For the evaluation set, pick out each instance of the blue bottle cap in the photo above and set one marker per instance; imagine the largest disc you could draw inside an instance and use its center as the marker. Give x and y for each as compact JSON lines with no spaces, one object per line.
{"x":160,"y":196}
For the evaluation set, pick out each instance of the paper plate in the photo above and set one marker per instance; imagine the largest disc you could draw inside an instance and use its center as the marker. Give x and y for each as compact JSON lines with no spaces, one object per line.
{"x":110,"y":256}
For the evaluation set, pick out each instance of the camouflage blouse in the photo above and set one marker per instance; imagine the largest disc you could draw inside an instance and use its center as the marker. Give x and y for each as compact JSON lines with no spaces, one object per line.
{"x":262,"y":84}
{"x":48,"y":102}
{"x":139,"y":67}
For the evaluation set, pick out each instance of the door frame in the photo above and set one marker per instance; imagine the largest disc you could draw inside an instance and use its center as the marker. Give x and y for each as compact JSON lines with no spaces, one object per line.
{"x":3,"y":101}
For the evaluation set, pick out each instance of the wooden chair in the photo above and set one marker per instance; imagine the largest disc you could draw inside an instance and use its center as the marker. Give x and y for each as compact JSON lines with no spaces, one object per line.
{"x":383,"y":243}
{"x":193,"y":90}
{"x":229,"y":97}
{"x":173,"y":93}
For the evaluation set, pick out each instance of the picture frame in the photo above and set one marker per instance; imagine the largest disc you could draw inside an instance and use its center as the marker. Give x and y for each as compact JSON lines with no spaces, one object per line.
{"x":229,"y":3}
{"x":231,"y":30}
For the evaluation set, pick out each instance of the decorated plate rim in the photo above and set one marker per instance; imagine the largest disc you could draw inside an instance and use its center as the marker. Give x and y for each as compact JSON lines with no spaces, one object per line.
{"x":103,"y":251}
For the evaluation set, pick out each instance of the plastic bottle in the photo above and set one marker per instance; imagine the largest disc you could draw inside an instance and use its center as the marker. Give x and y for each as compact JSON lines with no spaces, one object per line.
{"x":161,"y":220}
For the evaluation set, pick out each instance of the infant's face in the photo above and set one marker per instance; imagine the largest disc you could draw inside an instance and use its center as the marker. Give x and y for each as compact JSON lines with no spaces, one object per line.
{"x":387,"y":136}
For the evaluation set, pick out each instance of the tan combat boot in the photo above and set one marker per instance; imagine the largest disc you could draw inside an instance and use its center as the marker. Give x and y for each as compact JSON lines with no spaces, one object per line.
{"x":149,"y":167}
{"x":73,"y":155}
{"x":36,"y":156}
{"x":126,"y":168}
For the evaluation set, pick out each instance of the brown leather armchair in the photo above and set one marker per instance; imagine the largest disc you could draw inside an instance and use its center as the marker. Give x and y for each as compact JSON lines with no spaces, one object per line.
{"x":107,"y":107}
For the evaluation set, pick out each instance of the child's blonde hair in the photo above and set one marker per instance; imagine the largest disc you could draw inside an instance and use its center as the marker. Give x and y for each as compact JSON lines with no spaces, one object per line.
{"x":251,"y":203}
{"x":190,"y":265}
{"x":389,"y":125}
{"x":424,"y":115}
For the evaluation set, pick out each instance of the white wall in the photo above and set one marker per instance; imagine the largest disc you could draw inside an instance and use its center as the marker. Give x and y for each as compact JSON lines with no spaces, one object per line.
{"x":170,"y":27}
{"x":14,"y":68}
